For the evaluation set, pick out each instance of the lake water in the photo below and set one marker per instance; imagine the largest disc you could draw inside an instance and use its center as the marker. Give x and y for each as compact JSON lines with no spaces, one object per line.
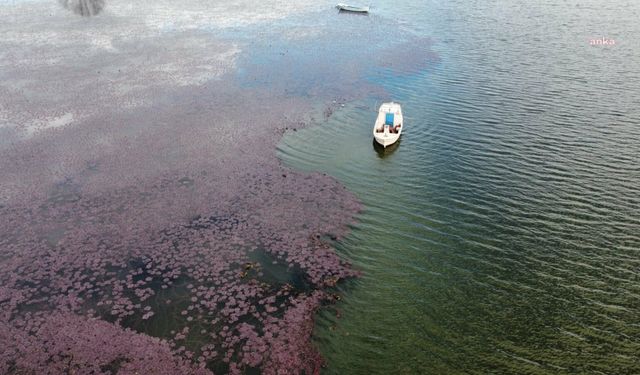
{"x":502,"y":233}
{"x":140,"y":187}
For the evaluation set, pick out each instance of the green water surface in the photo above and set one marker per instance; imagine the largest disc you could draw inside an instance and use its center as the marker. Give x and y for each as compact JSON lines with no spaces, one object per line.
{"x":502,"y":234}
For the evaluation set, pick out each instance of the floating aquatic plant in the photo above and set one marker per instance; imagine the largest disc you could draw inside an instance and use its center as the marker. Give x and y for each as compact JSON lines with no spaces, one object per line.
{"x":169,"y":273}
{"x":169,"y":239}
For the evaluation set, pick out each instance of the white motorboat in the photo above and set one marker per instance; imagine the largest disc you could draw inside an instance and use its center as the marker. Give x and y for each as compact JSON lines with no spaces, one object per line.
{"x":353,"y":8}
{"x":388,"y":126}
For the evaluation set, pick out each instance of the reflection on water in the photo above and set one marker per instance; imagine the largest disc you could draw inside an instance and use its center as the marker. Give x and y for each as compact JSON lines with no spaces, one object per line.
{"x":85,"y":8}
{"x":356,"y":14}
{"x":385,"y":151}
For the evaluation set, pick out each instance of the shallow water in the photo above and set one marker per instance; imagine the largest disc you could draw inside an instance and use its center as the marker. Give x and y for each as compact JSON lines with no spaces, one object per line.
{"x":146,"y":225}
{"x":501,"y":235}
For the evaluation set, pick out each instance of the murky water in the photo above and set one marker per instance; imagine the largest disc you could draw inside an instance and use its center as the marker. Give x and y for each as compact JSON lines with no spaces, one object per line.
{"x":502,"y":234}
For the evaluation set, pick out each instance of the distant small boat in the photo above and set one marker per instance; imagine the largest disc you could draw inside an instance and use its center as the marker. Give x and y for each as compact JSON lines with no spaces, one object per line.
{"x":388,"y":126}
{"x":353,"y":8}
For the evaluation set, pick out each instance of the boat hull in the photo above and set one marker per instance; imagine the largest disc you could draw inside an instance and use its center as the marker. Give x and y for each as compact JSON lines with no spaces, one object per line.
{"x":389,"y":116}
{"x":386,"y":140}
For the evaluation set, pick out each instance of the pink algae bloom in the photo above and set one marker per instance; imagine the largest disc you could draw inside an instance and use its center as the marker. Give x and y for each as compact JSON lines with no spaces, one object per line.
{"x":110,"y":231}
{"x":85,"y":352}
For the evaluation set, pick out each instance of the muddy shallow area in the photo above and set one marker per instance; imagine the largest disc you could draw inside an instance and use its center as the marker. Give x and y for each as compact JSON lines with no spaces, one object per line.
{"x":146,"y":223}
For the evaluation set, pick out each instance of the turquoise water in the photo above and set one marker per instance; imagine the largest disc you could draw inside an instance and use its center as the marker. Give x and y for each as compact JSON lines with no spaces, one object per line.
{"x":501,"y":235}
